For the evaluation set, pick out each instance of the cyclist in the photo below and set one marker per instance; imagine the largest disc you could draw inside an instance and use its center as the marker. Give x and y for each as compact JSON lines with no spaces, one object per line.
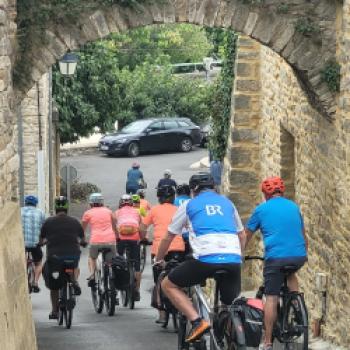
{"x":183,"y":194}
{"x":216,"y":237}
{"x":102,"y":232}
{"x":281,"y":224}
{"x":128,"y":222}
{"x":167,"y":180}
{"x":134,"y":178}
{"x":160,"y":217}
{"x":32,"y":220}
{"x":136,"y":201}
{"x":62,"y":235}
{"x":144,"y":203}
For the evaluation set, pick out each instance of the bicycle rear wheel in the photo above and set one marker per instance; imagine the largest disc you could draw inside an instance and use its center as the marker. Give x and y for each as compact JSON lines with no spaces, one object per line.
{"x":229,"y":331}
{"x":96,"y":293}
{"x":110,"y":296}
{"x":70,"y":304}
{"x":182,"y":332}
{"x":132,"y":286}
{"x":125,"y":296}
{"x":143,"y":256}
{"x":295,"y":324}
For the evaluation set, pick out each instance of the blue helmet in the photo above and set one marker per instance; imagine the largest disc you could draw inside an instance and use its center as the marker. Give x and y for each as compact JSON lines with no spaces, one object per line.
{"x":31,"y":200}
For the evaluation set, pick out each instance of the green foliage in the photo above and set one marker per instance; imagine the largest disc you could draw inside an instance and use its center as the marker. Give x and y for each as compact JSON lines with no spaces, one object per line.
{"x":220,"y":102}
{"x":115,"y":81}
{"x":306,"y":27}
{"x":331,"y":75}
{"x":283,"y":8}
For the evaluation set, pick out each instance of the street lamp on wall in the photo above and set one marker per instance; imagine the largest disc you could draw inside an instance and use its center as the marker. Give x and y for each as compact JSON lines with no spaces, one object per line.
{"x":68,"y":64}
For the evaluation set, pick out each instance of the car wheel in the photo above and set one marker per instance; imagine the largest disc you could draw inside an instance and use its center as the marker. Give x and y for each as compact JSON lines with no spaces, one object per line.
{"x":133,"y":149}
{"x":186,"y":144}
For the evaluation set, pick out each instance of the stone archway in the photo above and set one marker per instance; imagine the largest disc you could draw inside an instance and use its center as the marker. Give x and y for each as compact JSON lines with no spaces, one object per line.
{"x":302,"y":32}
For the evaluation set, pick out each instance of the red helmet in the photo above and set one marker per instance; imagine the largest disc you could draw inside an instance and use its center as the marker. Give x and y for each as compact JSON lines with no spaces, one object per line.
{"x":272,"y":185}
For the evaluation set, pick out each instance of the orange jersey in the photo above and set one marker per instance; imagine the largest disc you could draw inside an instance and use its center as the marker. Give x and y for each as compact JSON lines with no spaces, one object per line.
{"x":160,"y":217}
{"x":144,"y":203}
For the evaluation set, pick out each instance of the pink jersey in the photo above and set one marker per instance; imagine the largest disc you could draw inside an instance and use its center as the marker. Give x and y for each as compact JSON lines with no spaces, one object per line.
{"x":100,"y":221}
{"x":128,"y":216}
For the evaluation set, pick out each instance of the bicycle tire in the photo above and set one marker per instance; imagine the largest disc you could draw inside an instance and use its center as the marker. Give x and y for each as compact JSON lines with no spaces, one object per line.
{"x":68,"y":315}
{"x":295,"y":323}
{"x":60,"y":317}
{"x":110,"y":296}
{"x":143,"y":257}
{"x":175,"y":320}
{"x":125,"y":296}
{"x":31,"y":277}
{"x":182,"y":332}
{"x":96,"y":294}
{"x":62,"y":304}
{"x":132,"y":288}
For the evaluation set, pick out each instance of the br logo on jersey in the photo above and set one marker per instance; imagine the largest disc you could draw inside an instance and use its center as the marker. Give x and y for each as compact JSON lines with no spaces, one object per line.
{"x":213,"y":210}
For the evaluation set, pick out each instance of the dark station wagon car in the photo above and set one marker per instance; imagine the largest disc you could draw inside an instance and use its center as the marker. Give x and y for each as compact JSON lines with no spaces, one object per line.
{"x":152,"y":135}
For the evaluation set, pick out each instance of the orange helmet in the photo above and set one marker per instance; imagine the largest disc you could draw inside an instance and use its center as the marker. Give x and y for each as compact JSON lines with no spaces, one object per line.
{"x":272,"y":185}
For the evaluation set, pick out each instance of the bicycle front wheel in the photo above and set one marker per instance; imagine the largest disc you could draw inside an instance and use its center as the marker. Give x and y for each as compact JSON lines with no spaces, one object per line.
{"x":295,"y":324}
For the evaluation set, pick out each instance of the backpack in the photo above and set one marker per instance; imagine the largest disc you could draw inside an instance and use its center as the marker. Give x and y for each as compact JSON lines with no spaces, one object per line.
{"x":120,"y":272}
{"x":252,"y":314}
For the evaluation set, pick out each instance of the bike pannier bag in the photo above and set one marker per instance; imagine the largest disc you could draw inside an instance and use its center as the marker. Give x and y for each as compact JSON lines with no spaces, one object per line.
{"x":120,"y":272}
{"x":53,"y":273}
{"x":252,"y":315}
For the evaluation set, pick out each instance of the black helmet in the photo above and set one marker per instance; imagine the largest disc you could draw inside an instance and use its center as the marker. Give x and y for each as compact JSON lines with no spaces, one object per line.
{"x":61,"y":204}
{"x":165,"y":191}
{"x":201,"y":181}
{"x":183,"y":189}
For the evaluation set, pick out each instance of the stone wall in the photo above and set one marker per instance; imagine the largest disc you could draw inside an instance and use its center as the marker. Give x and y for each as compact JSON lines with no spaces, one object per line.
{"x":277,"y":132}
{"x":16,"y":325}
{"x":36,"y":138}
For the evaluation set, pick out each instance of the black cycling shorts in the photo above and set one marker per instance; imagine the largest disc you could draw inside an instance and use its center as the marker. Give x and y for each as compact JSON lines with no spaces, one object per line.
{"x":134,"y":249}
{"x":274,"y":275}
{"x":193,"y":272}
{"x":37,"y":254}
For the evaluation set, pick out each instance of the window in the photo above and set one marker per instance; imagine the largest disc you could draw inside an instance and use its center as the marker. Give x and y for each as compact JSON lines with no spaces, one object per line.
{"x":171,"y":124}
{"x":288,"y":162}
{"x":156,"y":126}
{"x":183,"y":124}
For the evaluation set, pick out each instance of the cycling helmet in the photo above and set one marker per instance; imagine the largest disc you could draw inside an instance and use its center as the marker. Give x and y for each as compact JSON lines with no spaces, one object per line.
{"x":183,"y":189}
{"x":272,"y":185}
{"x":61,"y":204}
{"x":31,"y":200}
{"x":96,"y":198}
{"x":135,"y":198}
{"x":167,"y":172}
{"x":201,"y":181}
{"x":141,"y":192}
{"x":125,"y":200}
{"x":165,"y":191}
{"x":135,"y":165}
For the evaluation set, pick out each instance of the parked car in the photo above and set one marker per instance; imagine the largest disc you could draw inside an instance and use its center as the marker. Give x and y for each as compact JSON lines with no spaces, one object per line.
{"x":152,"y":135}
{"x":205,"y":131}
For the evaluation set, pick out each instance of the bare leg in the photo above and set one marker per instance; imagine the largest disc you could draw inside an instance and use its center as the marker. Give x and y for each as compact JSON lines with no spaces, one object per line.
{"x":138,"y":276}
{"x":37,"y":272}
{"x":270,"y":316}
{"x":293,"y":284}
{"x":92,"y":266}
{"x":180,"y":300}
{"x":76,"y":274}
{"x":54,"y":300}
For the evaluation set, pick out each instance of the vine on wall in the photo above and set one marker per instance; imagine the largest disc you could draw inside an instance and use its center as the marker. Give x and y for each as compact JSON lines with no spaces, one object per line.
{"x":220,"y":104}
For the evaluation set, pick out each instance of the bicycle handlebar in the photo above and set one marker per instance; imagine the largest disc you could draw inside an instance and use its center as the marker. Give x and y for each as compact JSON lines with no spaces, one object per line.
{"x":254,"y":257}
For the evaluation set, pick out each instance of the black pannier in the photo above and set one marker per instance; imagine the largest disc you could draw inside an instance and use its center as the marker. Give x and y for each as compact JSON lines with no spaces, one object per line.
{"x":53,"y":273}
{"x":252,"y":315}
{"x":120,"y":272}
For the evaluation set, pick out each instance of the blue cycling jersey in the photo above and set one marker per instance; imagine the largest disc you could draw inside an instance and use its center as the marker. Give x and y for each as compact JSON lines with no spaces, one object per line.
{"x":213,"y":224}
{"x":281,"y":224}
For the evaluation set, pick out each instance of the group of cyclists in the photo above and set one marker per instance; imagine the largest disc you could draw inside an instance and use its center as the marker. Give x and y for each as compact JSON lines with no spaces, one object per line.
{"x":190,"y":219}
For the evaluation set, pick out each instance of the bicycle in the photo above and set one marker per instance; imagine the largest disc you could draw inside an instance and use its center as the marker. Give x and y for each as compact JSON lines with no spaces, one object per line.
{"x":30,"y":271}
{"x":292,"y":317}
{"x":143,"y":253}
{"x":66,"y":296}
{"x":128,"y":293}
{"x":104,"y":293}
{"x":226,"y":331}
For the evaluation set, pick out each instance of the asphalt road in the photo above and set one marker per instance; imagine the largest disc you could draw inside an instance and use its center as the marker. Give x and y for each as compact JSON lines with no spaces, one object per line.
{"x":128,"y":329}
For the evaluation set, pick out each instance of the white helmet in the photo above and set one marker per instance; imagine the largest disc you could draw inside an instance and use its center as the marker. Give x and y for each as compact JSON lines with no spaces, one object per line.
{"x":167,"y":172}
{"x":96,"y":198}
